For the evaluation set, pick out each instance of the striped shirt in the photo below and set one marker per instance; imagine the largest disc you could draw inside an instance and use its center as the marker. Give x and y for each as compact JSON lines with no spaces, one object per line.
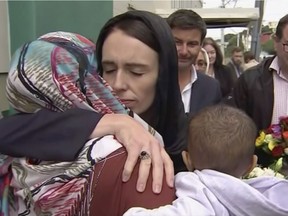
{"x":280,"y":82}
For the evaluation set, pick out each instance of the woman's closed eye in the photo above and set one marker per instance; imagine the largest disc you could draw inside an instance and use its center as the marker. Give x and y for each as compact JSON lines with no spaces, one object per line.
{"x":136,"y":73}
{"x":109,"y":70}
{"x":136,"y":69}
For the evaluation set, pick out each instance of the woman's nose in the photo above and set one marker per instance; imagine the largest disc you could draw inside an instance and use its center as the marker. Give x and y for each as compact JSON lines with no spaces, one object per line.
{"x":120,"y":81}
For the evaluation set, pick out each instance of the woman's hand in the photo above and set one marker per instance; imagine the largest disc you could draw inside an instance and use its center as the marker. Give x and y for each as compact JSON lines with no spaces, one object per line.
{"x":136,"y":139}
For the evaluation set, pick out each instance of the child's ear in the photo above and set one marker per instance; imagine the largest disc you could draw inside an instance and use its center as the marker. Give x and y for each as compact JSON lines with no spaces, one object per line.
{"x":252,"y":165}
{"x":187,"y":160}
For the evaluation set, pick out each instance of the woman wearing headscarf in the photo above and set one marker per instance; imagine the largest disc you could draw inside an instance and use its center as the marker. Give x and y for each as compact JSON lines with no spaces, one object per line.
{"x":202,"y":61}
{"x":143,"y":34}
{"x":71,"y":72}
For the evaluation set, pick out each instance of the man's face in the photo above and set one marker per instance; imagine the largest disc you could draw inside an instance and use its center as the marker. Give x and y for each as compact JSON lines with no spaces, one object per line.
{"x":188,"y":44}
{"x":237,"y":58}
{"x":281,"y":47}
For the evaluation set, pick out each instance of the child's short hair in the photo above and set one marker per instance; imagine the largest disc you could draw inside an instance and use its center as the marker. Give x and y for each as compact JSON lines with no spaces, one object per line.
{"x":222,"y":138}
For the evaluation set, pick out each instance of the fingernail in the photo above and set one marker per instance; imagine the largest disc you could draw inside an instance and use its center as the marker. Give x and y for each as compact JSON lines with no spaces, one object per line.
{"x":157,"y":189}
{"x":171,"y":183}
{"x":125,"y":178}
{"x":140,"y":187}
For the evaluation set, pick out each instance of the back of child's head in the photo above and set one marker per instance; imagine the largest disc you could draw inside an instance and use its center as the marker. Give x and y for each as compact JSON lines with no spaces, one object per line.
{"x":222,"y":138}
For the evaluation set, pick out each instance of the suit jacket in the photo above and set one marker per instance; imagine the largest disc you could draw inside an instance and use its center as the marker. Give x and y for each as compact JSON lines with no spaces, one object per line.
{"x":231,"y":66}
{"x":225,"y":77}
{"x":205,"y":92}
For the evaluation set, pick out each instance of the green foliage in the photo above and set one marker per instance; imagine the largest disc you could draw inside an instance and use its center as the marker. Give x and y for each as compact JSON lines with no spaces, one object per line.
{"x":268,"y":47}
{"x":233,"y":43}
{"x":227,"y":37}
{"x":266,"y":29}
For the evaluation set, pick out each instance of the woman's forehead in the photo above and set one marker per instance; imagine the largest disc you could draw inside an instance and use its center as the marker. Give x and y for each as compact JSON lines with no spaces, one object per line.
{"x":119,"y":47}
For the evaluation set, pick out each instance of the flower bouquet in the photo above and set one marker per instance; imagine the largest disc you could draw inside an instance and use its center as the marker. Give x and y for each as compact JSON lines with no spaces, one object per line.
{"x":274,"y":142}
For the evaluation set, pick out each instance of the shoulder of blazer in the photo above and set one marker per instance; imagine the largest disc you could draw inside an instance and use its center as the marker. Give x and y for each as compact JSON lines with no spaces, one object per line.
{"x":205,"y":78}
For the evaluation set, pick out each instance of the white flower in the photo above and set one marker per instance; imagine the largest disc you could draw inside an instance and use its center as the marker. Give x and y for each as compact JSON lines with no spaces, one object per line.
{"x":257,"y":171}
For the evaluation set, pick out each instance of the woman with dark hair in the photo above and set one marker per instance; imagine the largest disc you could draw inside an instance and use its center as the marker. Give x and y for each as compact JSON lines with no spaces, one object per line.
{"x":143,"y":73}
{"x":216,"y":67}
{"x":166,"y":111}
{"x":151,"y":61}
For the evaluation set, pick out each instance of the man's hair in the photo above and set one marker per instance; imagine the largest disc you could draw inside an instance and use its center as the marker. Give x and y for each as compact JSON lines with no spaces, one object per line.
{"x":236,"y":49}
{"x":187,"y":19}
{"x":248,"y":55}
{"x":222,"y":138}
{"x":281,"y":24}
{"x":219,"y":56}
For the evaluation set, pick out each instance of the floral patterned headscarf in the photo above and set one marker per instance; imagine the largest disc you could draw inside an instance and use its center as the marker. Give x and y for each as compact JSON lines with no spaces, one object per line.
{"x":58,"y":72}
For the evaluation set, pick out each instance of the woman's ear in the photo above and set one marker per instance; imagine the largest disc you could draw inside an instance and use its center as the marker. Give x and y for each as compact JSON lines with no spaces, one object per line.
{"x":187,"y":160}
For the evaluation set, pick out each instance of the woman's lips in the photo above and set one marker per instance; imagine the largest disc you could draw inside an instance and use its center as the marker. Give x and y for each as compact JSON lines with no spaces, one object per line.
{"x":127,"y":102}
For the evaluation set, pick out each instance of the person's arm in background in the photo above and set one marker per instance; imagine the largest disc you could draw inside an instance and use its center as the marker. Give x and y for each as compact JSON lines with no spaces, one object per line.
{"x":52,"y":136}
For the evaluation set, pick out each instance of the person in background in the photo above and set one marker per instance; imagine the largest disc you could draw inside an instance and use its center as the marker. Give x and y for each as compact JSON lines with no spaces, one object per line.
{"x":262,"y":90}
{"x":217,"y":69}
{"x":202,"y":61}
{"x":226,"y":136}
{"x":236,"y":63}
{"x":249,"y":60}
{"x":198,"y":90}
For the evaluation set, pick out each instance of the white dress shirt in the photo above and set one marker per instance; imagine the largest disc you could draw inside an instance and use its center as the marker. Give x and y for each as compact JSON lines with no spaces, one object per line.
{"x":186,"y":93}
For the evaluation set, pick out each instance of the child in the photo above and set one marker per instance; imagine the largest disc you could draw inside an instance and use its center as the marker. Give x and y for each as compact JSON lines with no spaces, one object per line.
{"x":220,"y":151}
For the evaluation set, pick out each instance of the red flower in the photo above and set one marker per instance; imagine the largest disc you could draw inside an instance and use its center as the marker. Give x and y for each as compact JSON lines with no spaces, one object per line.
{"x":277,"y":151}
{"x":285,"y":135}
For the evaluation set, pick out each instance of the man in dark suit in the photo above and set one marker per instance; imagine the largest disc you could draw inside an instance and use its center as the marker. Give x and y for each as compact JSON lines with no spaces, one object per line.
{"x":262,"y":91}
{"x":235,"y":64}
{"x":198,"y":90}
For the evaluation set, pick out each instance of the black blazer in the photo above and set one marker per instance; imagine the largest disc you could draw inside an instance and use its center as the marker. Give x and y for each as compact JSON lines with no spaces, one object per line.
{"x":225,"y":77}
{"x":234,"y":72}
{"x":205,"y":92}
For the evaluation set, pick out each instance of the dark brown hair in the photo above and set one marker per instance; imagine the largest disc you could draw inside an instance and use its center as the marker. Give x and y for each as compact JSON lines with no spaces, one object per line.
{"x":187,"y":19}
{"x":248,"y":55}
{"x":222,"y":138}
{"x":219,"y":56}
{"x":281,"y":24}
{"x":236,"y":49}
